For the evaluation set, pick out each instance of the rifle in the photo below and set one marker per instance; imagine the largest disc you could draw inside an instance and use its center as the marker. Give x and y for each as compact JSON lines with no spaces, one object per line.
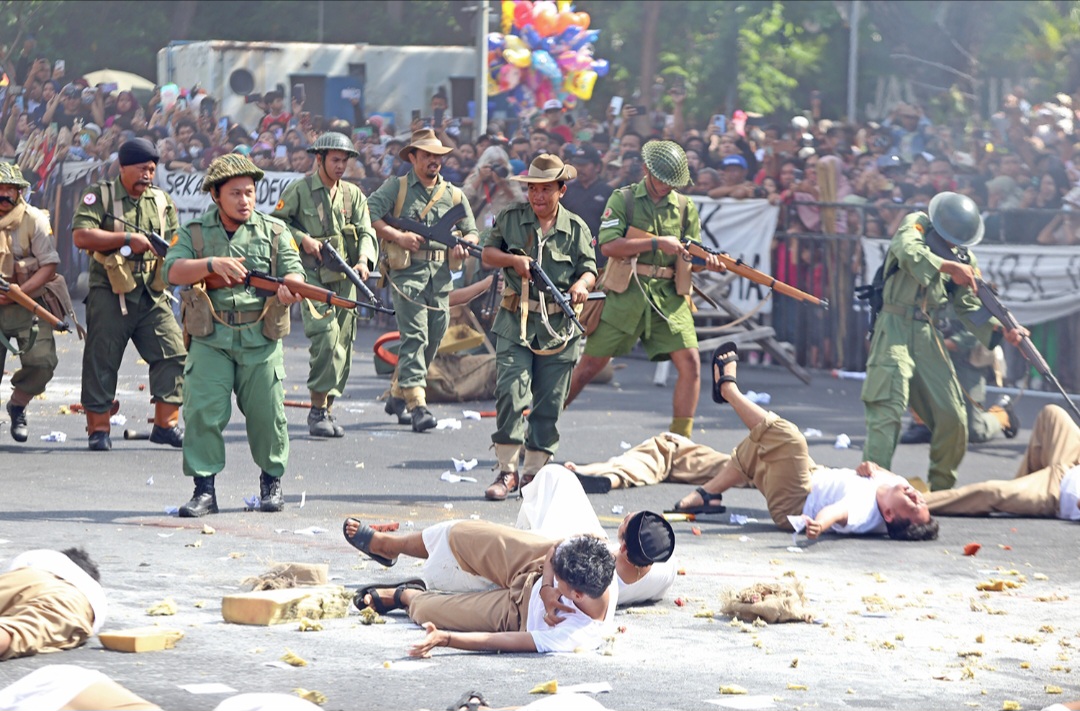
{"x":543,"y":282}
{"x":441,"y":231}
{"x":158,"y":243}
{"x":266,"y":285}
{"x":333,"y":261}
{"x":736,"y":266}
{"x":16,"y":294}
{"x":992,"y":304}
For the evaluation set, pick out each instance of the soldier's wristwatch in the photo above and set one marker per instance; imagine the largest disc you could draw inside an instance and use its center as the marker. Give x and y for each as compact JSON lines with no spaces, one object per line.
{"x":125,"y":251}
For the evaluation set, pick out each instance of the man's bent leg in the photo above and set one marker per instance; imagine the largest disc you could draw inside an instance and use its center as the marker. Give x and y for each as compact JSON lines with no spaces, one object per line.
{"x":885,"y":398}
{"x":42,"y":613}
{"x":498,"y":553}
{"x":1055,"y":439}
{"x":490,"y":611}
{"x":936,"y":396}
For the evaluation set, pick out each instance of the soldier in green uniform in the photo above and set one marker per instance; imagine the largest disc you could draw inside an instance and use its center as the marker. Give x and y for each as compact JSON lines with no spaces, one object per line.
{"x":918,"y":285}
{"x":419,"y":270}
{"x":127,"y":299}
{"x":973,"y":363}
{"x":235,"y":344}
{"x":28,"y":257}
{"x":536,"y":344}
{"x":639,"y":233}
{"x":322,"y":208}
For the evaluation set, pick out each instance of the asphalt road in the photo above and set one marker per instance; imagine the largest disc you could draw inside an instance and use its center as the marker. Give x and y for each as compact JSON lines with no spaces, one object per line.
{"x":898,"y":625}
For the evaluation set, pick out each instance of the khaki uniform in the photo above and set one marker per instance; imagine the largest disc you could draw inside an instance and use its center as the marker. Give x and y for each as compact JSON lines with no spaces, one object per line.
{"x":536,"y":369}
{"x":628,"y":317}
{"x":42,"y":613}
{"x":905,"y":335}
{"x":236,"y":358}
{"x":149,"y":323}
{"x":308,"y":209}
{"x":509,"y":558}
{"x":1053,"y":450}
{"x":26,"y":245}
{"x":665,"y":457}
{"x":421,"y":291}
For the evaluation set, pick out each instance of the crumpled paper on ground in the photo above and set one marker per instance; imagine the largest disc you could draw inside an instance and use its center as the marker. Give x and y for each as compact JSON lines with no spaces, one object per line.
{"x":463,"y":465}
{"x":54,"y":437}
{"x":758,"y":398}
{"x":455,"y":478}
{"x":448,"y":424}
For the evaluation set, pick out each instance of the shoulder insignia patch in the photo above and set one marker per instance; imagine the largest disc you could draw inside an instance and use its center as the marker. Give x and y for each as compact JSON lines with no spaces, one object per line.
{"x":175,"y":239}
{"x":607,"y":213}
{"x":919,"y":227}
{"x":280,"y":205}
{"x":89,"y":199}
{"x":609,"y":223}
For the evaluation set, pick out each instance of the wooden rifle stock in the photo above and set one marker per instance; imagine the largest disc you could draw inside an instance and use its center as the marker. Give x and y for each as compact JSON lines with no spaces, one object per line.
{"x":16,"y":294}
{"x":267,"y":285}
{"x":736,"y":266}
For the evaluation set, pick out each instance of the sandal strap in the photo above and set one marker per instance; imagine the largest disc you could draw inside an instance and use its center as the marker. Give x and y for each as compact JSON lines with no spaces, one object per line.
{"x":707,"y":496}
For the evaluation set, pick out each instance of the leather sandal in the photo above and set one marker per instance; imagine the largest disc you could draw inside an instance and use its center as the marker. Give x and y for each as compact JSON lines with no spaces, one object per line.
{"x":724,"y":354}
{"x":361,"y":541}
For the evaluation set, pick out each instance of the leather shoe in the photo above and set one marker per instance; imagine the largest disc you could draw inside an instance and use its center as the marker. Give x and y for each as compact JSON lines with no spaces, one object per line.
{"x":100,"y":442}
{"x":203,"y":501}
{"x":172,"y":436}
{"x":396,"y":406}
{"x":321,"y":424}
{"x":422,"y":419}
{"x":270,"y":497}
{"x":505,"y":483}
{"x":19,"y":430}
{"x":916,"y":433}
{"x":1006,"y":404}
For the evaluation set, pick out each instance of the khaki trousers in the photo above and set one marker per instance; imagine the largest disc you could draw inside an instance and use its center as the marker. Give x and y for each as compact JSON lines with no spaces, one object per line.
{"x":42,"y":613}
{"x":108,"y":696}
{"x":1053,"y":450}
{"x":665,"y":457}
{"x":775,"y":460}
{"x":508,"y":557}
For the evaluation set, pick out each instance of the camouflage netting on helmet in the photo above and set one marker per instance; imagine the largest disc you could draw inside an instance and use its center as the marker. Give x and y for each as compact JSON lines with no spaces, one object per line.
{"x":230,"y":165}
{"x":667,"y":162}
{"x":10,"y":174}
{"x":333,"y":141}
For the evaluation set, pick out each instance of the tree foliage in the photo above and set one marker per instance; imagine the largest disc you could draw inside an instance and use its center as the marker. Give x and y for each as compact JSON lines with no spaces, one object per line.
{"x":758,"y":55}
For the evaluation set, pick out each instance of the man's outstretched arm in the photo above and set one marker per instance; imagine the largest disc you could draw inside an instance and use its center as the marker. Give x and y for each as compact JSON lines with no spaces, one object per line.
{"x":472,"y":641}
{"x":826,"y":519}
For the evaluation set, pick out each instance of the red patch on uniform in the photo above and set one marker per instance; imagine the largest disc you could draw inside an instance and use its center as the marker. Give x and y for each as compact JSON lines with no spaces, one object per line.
{"x":607,"y":213}
{"x":89,"y":199}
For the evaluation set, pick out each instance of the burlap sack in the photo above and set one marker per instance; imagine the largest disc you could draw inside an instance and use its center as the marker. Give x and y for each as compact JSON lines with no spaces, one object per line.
{"x":460,"y":378}
{"x":771,"y":602}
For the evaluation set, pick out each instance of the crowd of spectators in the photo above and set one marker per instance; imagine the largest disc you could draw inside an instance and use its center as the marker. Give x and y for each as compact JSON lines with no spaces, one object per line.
{"x":1020,"y":165}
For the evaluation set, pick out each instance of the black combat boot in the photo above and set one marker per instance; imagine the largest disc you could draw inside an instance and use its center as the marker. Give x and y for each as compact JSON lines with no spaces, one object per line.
{"x":422,"y":419}
{"x":19,"y":430}
{"x":396,"y":406}
{"x":270,"y":497}
{"x":203,"y":501}
{"x":321,"y":424}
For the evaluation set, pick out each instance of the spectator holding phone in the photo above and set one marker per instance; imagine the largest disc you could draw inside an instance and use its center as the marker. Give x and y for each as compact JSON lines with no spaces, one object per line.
{"x":487,"y":187}
{"x":274,"y":103}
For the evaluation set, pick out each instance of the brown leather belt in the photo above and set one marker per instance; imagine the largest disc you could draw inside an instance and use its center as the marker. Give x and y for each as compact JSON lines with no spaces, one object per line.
{"x":512,"y":302}
{"x":238,"y":318}
{"x":141,"y":266}
{"x":430,"y":255}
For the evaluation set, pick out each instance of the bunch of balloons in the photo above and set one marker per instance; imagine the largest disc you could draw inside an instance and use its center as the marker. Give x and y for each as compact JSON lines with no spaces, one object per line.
{"x":544,"y":52}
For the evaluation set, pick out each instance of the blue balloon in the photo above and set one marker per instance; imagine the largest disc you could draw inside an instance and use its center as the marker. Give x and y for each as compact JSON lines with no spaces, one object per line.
{"x":531,"y":36}
{"x":548,"y":45}
{"x":495,"y":41}
{"x":568,"y":35}
{"x":586,"y":37}
{"x":546,"y":65}
{"x":601,"y":67}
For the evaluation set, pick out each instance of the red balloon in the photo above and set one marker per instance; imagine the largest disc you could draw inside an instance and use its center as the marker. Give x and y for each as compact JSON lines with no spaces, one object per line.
{"x":523,"y":13}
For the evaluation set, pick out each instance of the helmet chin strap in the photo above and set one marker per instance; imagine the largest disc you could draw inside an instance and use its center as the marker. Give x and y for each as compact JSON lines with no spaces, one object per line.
{"x":946,"y":249}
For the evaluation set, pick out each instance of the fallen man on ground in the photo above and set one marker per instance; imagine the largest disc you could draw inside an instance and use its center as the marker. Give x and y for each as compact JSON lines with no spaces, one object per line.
{"x":547,"y":597}
{"x":774,"y":459}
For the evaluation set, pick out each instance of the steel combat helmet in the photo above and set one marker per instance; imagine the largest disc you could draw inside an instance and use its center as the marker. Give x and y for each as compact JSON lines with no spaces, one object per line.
{"x":956,"y":218}
{"x":666,"y":162}
{"x":333,"y":141}
{"x":230,"y":165}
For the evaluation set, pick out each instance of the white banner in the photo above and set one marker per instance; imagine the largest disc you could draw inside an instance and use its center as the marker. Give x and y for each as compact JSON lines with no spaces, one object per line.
{"x":1037,"y":283}
{"x":744,"y":229}
{"x":186,"y":191}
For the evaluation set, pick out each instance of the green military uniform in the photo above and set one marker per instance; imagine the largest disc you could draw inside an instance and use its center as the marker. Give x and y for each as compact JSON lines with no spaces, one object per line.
{"x":421,"y":291}
{"x":983,"y":426}
{"x":904,"y":335}
{"x":308,"y":209}
{"x":236,"y":357}
{"x":26,"y":245}
{"x":524,"y":374}
{"x":628,"y":317}
{"x":149,"y":322}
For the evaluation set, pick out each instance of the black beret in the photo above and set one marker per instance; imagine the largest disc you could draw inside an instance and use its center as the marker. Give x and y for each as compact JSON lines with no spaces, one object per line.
{"x":649,"y":539}
{"x":138,"y":150}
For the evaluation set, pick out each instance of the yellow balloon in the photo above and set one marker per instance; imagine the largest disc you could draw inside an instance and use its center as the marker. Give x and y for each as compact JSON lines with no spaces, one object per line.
{"x":581,"y":84}
{"x":563,"y":5}
{"x":518,"y":57}
{"x":507,"y":16}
